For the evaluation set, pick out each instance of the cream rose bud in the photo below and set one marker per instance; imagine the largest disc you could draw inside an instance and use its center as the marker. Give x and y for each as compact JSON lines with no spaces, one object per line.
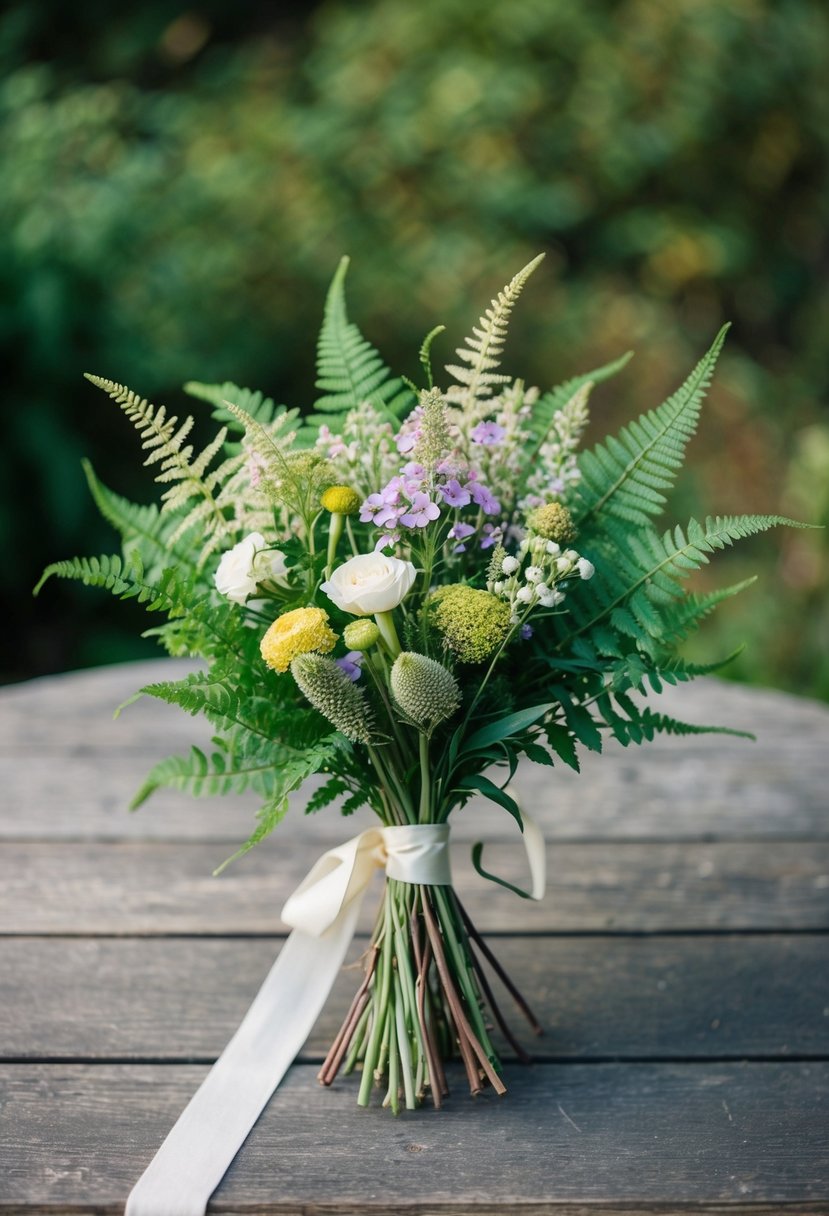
{"x":370,"y":583}
{"x":249,"y":562}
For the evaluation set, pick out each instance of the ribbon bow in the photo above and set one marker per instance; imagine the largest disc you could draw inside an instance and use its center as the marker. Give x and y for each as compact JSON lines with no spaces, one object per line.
{"x":323,"y":913}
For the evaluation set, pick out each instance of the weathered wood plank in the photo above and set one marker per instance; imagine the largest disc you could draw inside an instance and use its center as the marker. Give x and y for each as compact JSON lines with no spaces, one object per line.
{"x":704,"y":788}
{"x":139,"y":888}
{"x":626,"y":998}
{"x":655,"y":1137}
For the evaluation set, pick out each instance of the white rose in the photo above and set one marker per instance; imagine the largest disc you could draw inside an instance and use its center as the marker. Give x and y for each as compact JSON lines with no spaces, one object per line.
{"x":370,"y":583}
{"x":246,"y":564}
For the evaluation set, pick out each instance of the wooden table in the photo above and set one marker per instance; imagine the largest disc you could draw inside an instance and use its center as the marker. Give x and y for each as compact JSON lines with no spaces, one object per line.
{"x":679,"y":962}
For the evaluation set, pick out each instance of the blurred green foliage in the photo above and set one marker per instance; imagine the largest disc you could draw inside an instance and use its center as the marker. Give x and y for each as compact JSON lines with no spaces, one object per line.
{"x":178,"y":189}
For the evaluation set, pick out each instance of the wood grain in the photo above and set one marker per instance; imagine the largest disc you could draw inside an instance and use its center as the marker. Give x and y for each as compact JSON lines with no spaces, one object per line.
{"x":654,"y":1137}
{"x":597,"y":998}
{"x":141,"y":888}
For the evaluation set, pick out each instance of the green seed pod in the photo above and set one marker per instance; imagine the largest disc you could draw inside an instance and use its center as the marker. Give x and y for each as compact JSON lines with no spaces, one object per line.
{"x":333,"y":693}
{"x":425,"y":691}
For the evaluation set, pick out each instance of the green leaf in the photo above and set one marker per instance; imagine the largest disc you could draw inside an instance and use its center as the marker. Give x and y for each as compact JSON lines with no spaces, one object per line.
{"x":477,"y":781}
{"x":349,"y":369}
{"x":512,"y":724}
{"x":625,"y":476}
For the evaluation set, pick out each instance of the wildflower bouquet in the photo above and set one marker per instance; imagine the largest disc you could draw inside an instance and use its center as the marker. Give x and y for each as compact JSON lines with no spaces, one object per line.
{"x":401,"y":594}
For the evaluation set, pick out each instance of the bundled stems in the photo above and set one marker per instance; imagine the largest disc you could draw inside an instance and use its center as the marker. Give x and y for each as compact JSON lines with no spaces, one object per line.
{"x":424,"y":996}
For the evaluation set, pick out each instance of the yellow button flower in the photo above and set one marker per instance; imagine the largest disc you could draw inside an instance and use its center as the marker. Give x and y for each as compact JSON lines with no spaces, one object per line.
{"x":341,"y":500}
{"x":299,"y":632}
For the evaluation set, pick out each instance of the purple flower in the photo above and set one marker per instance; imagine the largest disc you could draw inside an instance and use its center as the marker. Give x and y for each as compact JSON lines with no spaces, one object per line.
{"x":460,"y":532}
{"x":526,"y":632}
{"x":455,"y":494}
{"x":492,"y":535}
{"x":421,"y":512}
{"x":350,"y":664}
{"x":378,"y":510}
{"x":482,"y":498}
{"x":388,"y":541}
{"x":487,"y":433}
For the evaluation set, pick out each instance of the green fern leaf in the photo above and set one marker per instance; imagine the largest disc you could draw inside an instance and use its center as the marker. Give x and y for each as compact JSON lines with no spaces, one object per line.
{"x":349,"y":369}
{"x":141,"y":527}
{"x":252,"y":401}
{"x":626,"y":476}
{"x":656,"y":565}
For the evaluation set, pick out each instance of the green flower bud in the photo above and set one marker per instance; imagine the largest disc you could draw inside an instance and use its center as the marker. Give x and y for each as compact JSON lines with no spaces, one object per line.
{"x":332,"y":692}
{"x":425,"y":691}
{"x":472,"y":623}
{"x":361,"y":634}
{"x":554,"y":522}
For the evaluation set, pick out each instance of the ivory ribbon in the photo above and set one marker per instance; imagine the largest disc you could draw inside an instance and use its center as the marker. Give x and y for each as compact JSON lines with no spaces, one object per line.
{"x":323,"y":913}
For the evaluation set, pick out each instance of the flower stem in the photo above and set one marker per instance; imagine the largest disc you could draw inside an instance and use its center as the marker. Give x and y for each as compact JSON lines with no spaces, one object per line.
{"x":425,"y":780}
{"x":385,"y":623}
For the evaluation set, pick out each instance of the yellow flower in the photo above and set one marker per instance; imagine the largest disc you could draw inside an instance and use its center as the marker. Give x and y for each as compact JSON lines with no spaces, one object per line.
{"x":341,"y":500}
{"x":294,"y":633}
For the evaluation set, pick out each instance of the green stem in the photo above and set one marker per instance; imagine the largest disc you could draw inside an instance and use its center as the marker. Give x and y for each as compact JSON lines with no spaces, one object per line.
{"x":381,"y":1006}
{"x":425,"y":780}
{"x":335,"y":531}
{"x":385,"y":623}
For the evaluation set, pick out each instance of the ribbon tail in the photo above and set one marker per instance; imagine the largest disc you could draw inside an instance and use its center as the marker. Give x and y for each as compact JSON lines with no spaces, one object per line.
{"x":210,"y":1131}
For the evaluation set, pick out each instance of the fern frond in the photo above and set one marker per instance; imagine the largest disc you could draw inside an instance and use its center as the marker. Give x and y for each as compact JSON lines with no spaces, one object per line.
{"x":140,"y":527}
{"x":631,"y":587}
{"x":108,"y":571}
{"x":252,"y":401}
{"x":483,"y":349}
{"x":644,"y":724}
{"x":228,"y":705}
{"x":186,"y":476}
{"x":625,"y":476}
{"x":349,"y":369}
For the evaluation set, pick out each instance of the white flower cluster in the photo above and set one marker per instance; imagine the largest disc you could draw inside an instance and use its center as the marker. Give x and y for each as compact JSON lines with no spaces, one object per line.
{"x":537,"y":585}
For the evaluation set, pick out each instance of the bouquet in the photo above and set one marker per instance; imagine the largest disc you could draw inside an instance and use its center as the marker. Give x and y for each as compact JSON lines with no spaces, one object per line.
{"x":399,"y":595}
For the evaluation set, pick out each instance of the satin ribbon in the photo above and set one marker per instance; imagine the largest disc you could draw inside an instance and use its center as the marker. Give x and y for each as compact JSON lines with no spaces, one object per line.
{"x":323,"y":913}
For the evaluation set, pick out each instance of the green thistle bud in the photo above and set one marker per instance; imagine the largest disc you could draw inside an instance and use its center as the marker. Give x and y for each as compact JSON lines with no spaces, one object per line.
{"x":332,"y":692}
{"x":425,"y":691}
{"x":361,"y":634}
{"x":341,"y":500}
{"x":554,"y":522}
{"x":472,"y":623}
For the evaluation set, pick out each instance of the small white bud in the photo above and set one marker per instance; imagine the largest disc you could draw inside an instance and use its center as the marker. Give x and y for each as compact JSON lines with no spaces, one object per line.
{"x":563,"y":565}
{"x":533,"y":574}
{"x":525,"y":595}
{"x":586,"y":568}
{"x":553,"y":549}
{"x":509,"y":565}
